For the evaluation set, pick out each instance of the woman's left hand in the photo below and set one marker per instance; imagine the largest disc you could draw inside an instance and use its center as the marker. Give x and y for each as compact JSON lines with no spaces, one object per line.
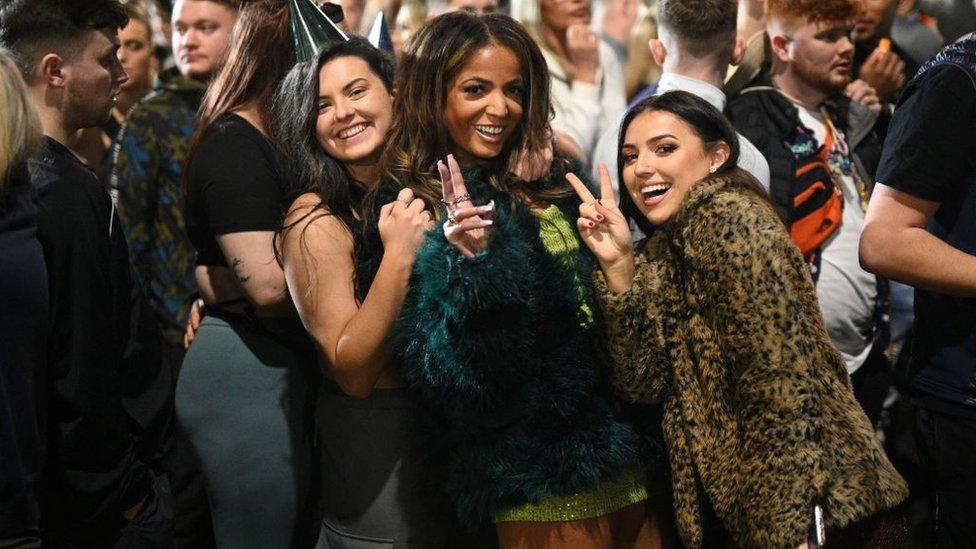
{"x":467,"y":225}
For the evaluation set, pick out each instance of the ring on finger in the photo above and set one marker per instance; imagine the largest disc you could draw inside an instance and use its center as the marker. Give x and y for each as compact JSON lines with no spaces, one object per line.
{"x":451,"y":219}
{"x":460,"y":198}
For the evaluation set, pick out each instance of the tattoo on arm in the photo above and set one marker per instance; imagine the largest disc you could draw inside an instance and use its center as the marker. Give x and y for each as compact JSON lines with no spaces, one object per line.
{"x":239,"y":271}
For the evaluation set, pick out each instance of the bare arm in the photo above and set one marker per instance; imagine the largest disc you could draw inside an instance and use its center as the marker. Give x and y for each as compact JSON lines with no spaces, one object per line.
{"x":251,"y":257}
{"x":319,"y":267}
{"x":895,"y":244}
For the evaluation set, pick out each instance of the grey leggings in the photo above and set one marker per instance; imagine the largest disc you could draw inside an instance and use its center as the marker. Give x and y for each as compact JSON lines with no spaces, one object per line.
{"x":374,"y":474}
{"x":242,"y":401}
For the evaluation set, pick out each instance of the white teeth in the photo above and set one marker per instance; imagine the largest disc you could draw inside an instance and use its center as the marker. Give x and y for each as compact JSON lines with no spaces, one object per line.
{"x":655,"y":188}
{"x":352,"y":130}
{"x":491,"y":130}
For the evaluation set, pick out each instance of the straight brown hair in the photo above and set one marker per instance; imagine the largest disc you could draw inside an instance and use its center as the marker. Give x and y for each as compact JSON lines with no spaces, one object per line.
{"x":261,"y":52}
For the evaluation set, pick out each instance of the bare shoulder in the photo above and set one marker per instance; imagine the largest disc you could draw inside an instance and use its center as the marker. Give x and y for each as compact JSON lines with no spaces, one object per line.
{"x":314,"y":223}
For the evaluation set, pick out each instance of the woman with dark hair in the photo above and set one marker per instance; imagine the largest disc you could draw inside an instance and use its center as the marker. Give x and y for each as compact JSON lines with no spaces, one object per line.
{"x":332,"y":115}
{"x":715,"y":316}
{"x":243,"y":392}
{"x":497,"y":334}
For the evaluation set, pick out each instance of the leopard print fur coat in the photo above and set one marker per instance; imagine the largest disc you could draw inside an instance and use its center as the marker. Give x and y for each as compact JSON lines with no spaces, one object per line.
{"x":722,"y":326}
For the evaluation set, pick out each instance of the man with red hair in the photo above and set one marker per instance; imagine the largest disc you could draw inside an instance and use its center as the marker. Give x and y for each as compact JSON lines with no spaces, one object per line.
{"x":822,"y":152}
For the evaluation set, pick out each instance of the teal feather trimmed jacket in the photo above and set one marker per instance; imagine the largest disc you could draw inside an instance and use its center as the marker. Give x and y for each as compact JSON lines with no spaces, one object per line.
{"x":512,"y":374}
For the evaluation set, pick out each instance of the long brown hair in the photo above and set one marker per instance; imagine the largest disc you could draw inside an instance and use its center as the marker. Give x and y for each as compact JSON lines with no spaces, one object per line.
{"x":437,"y":54}
{"x":260,"y":53}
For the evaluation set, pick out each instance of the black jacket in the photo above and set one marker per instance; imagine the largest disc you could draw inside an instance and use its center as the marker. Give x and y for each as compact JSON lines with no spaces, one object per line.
{"x":104,"y":396}
{"x":767,"y":119}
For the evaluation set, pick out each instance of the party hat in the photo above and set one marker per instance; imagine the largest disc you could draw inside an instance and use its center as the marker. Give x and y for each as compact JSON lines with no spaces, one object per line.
{"x":379,"y":34}
{"x":312,"y":29}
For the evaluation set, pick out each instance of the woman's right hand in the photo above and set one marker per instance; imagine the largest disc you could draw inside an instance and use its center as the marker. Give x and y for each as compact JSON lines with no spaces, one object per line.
{"x":583,"y":46}
{"x":403,"y":224}
{"x":467,"y":226}
{"x":193,"y":322}
{"x":602,"y":225}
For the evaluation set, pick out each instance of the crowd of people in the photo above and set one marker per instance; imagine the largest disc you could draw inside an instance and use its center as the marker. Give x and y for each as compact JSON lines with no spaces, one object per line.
{"x":526,"y":274}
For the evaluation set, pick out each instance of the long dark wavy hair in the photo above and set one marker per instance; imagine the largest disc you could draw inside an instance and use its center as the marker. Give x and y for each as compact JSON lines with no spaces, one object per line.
{"x":419,"y":136}
{"x":260,"y":52}
{"x":707,"y":122}
{"x":307,"y":167}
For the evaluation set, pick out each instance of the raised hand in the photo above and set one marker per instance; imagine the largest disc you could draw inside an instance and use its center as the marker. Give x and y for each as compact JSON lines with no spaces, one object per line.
{"x":467,"y":225}
{"x":533,"y":165}
{"x":602,"y":225}
{"x":584,"y":51}
{"x":402,"y":225}
{"x":885,"y":72}
{"x":861,"y":92}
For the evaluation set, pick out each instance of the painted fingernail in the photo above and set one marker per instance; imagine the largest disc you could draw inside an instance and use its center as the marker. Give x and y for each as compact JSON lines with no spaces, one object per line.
{"x":599,"y":217}
{"x":590,"y":224}
{"x":486,"y":222}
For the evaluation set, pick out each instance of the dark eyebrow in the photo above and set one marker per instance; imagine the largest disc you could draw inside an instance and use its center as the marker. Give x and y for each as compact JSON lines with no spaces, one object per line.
{"x":479,"y":80}
{"x":349,"y":86}
{"x":651,"y":140}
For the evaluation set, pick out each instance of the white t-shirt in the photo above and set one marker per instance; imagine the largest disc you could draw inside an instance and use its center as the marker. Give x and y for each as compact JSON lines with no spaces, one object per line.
{"x":845,"y":291}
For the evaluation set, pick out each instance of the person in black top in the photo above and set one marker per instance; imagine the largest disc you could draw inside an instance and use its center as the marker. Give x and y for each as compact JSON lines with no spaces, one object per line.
{"x":921,"y":229}
{"x":244,"y":393}
{"x":103,"y":406}
{"x":23,"y":313}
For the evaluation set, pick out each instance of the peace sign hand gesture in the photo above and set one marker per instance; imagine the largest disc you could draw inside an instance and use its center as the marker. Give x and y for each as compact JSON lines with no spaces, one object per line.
{"x":605,"y":231}
{"x":467,"y":225}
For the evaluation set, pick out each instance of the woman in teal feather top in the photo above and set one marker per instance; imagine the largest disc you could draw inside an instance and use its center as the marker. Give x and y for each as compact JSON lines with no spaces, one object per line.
{"x":497,"y":335}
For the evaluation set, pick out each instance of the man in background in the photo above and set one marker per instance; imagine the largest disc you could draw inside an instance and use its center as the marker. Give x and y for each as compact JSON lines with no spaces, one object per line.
{"x":822,"y":149}
{"x":103,"y":399}
{"x":921,"y":230}
{"x":148,"y":166}
{"x":696,"y":44}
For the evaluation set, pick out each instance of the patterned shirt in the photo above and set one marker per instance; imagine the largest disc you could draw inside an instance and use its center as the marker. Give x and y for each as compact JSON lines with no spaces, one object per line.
{"x":148,"y":157}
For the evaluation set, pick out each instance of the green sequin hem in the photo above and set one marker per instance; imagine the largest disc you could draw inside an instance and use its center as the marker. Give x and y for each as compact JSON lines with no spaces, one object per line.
{"x":609,"y":496}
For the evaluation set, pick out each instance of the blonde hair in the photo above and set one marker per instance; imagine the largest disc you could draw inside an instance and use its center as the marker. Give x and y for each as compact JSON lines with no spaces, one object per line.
{"x":641,"y":69}
{"x":20,"y":130}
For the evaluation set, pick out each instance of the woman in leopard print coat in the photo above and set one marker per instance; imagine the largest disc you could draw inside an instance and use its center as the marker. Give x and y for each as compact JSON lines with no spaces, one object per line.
{"x":716,"y":317}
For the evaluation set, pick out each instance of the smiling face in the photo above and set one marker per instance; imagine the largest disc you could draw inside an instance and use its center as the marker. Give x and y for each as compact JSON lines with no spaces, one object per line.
{"x":663,"y":158}
{"x":483,"y":106}
{"x":355,"y":111}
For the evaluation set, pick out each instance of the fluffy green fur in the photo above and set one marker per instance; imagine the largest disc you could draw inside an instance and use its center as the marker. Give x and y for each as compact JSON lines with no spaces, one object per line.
{"x":722,"y":326}
{"x":497,"y":350}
